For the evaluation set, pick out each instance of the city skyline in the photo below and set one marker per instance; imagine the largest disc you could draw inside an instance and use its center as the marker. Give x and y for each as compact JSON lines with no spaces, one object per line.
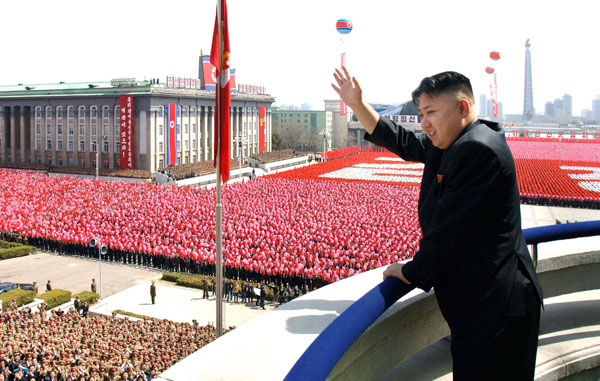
{"x":292,"y":47}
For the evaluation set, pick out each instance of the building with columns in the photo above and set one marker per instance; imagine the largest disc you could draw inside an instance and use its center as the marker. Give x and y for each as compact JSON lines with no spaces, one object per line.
{"x":65,"y":124}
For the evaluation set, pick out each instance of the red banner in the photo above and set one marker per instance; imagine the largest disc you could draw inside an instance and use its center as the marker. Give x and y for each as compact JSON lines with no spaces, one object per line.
{"x":172,"y":136}
{"x":126,"y":105}
{"x":261,"y":129}
{"x":219,"y":57}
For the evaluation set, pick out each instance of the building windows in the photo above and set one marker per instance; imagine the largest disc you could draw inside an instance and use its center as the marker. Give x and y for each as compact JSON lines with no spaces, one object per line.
{"x":105,"y":131}
{"x":48,"y":144}
{"x":117,"y":120}
{"x":161,"y":112}
{"x":70,"y":120}
{"x":186,"y":119}
{"x":93,"y":120}
{"x":194,"y":144}
{"x":93,"y":146}
{"x":59,"y":112}
{"x":160,"y":130}
{"x":81,"y":121}
{"x":117,"y":146}
{"x":38,"y":112}
{"x":194,"y":116}
{"x":105,"y":146}
{"x":48,"y":112}
{"x":38,"y":144}
{"x":70,"y":146}
{"x":58,"y":126}
{"x":161,"y":147}
{"x":82,"y":146}
{"x":38,"y":127}
{"x":48,"y":128}
{"x":187,"y":144}
{"x":59,"y":145}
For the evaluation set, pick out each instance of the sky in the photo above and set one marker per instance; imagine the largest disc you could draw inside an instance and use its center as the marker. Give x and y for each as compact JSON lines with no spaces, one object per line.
{"x":292,"y":47}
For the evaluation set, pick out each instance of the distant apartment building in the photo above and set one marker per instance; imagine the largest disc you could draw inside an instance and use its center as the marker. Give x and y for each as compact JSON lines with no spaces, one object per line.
{"x":483,"y":106}
{"x":304,"y":129}
{"x":596,"y":109}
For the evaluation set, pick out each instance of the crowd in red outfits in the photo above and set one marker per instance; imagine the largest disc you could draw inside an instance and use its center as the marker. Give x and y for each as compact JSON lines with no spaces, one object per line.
{"x":291,"y":225}
{"x":291,"y":228}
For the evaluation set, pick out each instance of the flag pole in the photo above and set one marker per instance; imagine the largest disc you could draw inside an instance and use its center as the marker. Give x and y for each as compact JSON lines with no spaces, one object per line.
{"x":219,"y":206}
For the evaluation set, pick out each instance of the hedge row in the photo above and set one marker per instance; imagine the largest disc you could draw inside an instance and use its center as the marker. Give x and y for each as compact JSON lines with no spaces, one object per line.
{"x":127,"y":313}
{"x":55,"y":297}
{"x":195,"y":281}
{"x":13,"y":250}
{"x":88,"y":296}
{"x":22,"y":296}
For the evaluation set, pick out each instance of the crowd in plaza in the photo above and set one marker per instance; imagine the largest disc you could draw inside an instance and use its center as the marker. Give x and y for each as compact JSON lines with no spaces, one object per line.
{"x":185,"y":171}
{"x":272,"y":228}
{"x":67,"y":346}
{"x":275,"y":229}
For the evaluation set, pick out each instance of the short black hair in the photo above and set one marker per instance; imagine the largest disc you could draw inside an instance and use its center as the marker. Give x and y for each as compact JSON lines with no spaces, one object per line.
{"x":446,"y":82}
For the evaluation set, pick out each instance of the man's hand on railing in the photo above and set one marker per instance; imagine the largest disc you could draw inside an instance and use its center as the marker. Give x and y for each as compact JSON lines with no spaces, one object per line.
{"x":395,"y":270}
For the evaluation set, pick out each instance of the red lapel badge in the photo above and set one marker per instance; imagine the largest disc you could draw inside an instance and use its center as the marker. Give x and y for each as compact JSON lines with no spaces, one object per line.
{"x":440,"y":178}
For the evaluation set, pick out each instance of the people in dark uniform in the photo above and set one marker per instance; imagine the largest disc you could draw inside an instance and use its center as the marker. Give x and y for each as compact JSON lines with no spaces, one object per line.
{"x":153,"y":292}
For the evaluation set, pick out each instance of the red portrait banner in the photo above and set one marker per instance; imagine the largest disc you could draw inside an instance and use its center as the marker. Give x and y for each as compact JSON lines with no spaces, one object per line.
{"x":261,"y":129}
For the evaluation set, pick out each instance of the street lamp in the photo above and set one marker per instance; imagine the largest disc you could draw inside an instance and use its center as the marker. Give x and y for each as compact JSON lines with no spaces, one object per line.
{"x":241,"y":140}
{"x":102,"y":250}
{"x":324,"y":133}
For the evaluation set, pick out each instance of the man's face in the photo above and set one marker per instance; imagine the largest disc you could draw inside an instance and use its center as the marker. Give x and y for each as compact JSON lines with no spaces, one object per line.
{"x":441,"y":118}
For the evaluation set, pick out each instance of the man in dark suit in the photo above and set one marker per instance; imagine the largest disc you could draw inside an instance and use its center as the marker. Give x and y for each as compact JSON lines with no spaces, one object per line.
{"x":472,"y":251}
{"x":153,"y":292}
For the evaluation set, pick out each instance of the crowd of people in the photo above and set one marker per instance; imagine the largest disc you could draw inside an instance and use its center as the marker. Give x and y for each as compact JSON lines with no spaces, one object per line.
{"x":110,"y":172}
{"x":555,"y":149}
{"x":273,"y":156}
{"x":186,"y":171}
{"x":67,"y":346}
{"x":271,"y":227}
{"x":275,"y":229}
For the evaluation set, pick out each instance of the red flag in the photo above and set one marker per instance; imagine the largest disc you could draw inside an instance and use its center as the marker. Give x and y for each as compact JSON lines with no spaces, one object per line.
{"x":219,"y":57}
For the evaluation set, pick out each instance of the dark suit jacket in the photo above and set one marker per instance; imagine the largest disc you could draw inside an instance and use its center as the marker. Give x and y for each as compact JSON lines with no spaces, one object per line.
{"x":472,"y":251}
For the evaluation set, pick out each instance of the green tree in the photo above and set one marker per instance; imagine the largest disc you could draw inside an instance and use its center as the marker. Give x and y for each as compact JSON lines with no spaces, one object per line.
{"x":276,"y":141}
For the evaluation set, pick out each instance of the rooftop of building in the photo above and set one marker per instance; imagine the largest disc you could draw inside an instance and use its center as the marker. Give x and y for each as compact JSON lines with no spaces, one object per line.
{"x":113,"y":87}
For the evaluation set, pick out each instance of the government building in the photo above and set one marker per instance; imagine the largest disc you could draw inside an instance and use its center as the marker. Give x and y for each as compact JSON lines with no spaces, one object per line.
{"x":65,"y":124}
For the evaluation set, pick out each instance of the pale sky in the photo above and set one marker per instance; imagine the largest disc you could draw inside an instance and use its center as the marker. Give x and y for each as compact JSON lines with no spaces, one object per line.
{"x":292,"y":47}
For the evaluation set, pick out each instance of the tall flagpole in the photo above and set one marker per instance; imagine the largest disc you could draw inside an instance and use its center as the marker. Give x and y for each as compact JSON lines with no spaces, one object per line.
{"x":219,"y":208}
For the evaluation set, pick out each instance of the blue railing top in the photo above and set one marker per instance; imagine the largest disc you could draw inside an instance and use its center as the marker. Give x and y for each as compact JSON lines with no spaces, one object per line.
{"x":558,"y":232}
{"x":328,"y":348}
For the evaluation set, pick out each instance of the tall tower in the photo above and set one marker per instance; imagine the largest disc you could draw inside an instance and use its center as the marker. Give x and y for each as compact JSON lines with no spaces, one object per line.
{"x":528,"y":96}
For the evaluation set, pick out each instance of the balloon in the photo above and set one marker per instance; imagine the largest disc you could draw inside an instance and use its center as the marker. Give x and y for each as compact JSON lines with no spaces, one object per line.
{"x":489,"y":70}
{"x":495,"y":55}
{"x":343,"y":26}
